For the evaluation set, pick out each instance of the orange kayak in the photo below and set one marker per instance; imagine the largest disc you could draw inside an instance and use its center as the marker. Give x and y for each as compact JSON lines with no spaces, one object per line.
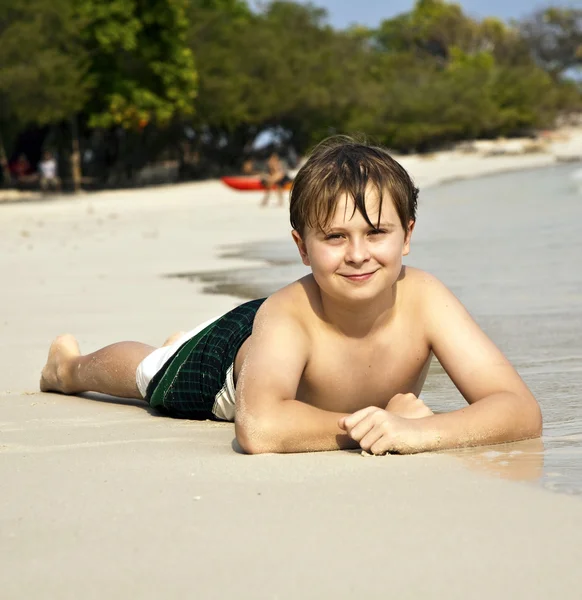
{"x":247,"y":183}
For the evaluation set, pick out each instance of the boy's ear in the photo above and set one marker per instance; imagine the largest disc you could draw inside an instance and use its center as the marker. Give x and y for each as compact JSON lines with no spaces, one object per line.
{"x":301,"y":247}
{"x":406,"y":247}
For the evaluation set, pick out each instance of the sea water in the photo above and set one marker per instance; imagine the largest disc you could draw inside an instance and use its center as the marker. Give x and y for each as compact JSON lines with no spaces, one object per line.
{"x":510,"y":247}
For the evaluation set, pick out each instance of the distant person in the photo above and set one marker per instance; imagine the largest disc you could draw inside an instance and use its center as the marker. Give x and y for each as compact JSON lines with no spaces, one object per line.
{"x":338,"y":358}
{"x":21,"y":169}
{"x":248,"y":167}
{"x":276,"y":178}
{"x":47,"y":168}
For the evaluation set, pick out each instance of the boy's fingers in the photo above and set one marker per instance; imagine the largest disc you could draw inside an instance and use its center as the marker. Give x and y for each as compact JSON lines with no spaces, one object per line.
{"x":380,"y":447}
{"x":371,"y":439}
{"x":342,"y":423}
{"x":363,"y":428}
{"x":353,"y":419}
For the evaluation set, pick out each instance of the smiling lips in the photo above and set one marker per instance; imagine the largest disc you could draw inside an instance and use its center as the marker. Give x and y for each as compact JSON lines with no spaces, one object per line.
{"x":359,"y":276}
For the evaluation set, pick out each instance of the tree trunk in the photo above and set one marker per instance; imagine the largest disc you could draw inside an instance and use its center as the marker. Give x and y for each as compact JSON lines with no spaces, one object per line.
{"x":75,"y":156}
{"x":4,"y":164}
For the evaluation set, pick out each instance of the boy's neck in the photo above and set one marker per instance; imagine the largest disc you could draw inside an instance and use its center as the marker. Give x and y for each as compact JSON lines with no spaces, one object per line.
{"x":359,"y":319}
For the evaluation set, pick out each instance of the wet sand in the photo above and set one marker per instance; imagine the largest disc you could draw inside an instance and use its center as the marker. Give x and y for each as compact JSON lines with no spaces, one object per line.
{"x":106,"y":499}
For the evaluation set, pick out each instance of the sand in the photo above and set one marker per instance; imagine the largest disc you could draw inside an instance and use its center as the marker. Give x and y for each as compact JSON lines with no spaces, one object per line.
{"x":102,"y":499}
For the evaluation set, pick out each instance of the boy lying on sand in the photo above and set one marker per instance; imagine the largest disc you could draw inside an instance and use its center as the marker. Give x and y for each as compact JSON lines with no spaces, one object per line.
{"x":338,"y":358}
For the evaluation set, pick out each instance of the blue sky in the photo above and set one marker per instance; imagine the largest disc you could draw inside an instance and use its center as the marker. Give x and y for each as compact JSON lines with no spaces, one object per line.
{"x":343,"y":13}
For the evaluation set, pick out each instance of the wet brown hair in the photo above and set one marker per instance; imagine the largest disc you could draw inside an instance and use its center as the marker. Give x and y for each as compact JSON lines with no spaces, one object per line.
{"x":341,"y":166}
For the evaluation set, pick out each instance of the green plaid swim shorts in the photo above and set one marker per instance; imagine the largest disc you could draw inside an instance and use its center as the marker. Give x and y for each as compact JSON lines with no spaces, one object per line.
{"x":193,"y":380}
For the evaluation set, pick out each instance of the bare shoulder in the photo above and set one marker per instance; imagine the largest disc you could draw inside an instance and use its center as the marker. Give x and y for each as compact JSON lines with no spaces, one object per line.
{"x":295,"y":304}
{"x":436,"y":308}
{"x":417,"y":280}
{"x":421,"y":290}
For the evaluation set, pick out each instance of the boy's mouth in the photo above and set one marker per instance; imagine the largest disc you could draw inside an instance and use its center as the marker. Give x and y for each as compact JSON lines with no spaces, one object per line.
{"x":359,"y":276}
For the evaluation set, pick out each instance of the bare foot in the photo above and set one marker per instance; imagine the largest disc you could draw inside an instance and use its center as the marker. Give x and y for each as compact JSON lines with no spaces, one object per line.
{"x":54,"y":377}
{"x":174,"y":337}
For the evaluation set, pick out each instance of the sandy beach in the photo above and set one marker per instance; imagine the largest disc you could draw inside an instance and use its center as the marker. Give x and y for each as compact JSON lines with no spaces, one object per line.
{"x":105,"y":499}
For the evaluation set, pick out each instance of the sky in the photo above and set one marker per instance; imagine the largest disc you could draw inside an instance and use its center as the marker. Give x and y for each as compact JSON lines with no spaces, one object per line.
{"x":343,"y":13}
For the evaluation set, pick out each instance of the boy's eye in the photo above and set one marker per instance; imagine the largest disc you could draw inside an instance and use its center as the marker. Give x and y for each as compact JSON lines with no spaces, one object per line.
{"x":376,"y":231}
{"x":333,"y":236}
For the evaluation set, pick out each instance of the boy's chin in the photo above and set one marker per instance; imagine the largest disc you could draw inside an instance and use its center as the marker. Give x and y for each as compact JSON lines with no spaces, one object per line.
{"x":360,"y":292}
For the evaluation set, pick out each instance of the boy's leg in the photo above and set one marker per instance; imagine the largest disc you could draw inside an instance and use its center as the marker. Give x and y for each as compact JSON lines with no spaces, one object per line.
{"x":110,"y":370}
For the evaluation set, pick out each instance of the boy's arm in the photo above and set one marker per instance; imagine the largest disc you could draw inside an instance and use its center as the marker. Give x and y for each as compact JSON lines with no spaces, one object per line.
{"x":268,"y":418}
{"x":501,"y":407}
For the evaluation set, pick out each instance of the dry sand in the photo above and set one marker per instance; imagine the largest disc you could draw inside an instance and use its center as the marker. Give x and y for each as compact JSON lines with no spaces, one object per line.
{"x":105,"y":500}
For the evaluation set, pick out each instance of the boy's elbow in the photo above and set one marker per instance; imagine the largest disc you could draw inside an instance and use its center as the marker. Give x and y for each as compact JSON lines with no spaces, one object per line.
{"x":250,"y":445}
{"x":532,"y":418}
{"x":537,"y":419}
{"x":254,"y":439}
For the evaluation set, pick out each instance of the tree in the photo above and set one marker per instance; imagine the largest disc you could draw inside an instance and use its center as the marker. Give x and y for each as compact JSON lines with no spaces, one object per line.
{"x":282,"y":68}
{"x":433,"y":27}
{"x":504,"y":42}
{"x":140,"y":63}
{"x":144,"y":78}
{"x":554,"y":36}
{"x":429,"y":30}
{"x":217,"y":36}
{"x":44,"y":80}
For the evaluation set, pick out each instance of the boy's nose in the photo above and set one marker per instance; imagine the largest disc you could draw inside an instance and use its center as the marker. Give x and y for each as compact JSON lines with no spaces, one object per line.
{"x":357,"y":251}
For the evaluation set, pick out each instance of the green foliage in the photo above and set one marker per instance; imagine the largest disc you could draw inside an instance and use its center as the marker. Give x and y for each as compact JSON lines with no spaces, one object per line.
{"x":423,"y":79}
{"x":429,"y":30}
{"x":457,"y":78}
{"x":43,"y":79}
{"x":216,"y":36}
{"x":141,"y":64}
{"x":283,"y":67}
{"x":504,"y":42}
{"x":554,"y":36}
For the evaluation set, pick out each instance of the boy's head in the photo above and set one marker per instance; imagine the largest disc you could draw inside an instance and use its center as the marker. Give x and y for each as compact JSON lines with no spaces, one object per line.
{"x":343,"y":167}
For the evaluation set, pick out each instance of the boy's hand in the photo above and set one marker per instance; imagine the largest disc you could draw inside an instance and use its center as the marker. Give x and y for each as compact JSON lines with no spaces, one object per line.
{"x":378,"y":431}
{"x":408,"y":406}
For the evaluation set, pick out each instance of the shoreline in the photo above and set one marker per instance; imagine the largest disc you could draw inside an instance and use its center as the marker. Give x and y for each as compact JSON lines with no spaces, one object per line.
{"x":484,"y":158}
{"x":494,"y":172}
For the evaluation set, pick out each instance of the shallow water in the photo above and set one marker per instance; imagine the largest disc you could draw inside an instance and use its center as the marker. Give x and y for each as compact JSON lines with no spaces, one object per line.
{"x":510,"y":247}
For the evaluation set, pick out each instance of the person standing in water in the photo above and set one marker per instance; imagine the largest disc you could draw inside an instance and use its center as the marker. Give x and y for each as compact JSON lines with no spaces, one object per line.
{"x":276,"y":178}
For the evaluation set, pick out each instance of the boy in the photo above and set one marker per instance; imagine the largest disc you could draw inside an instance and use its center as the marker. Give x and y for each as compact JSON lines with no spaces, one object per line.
{"x":338,"y":358}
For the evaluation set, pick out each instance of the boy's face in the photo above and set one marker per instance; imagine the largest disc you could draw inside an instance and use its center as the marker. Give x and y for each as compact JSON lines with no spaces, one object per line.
{"x":351,"y":260}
